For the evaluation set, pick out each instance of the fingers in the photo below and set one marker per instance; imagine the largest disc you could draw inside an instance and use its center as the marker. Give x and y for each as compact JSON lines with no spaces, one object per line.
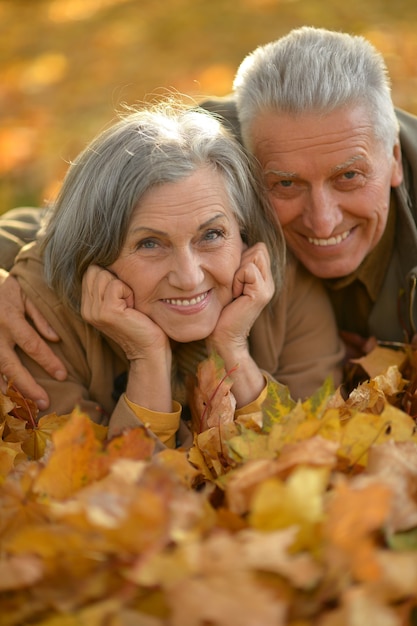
{"x":31,"y":344}
{"x":103,"y":296}
{"x":254,"y":276}
{"x":16,"y":330}
{"x":13,"y":371}
{"x":40,"y":322}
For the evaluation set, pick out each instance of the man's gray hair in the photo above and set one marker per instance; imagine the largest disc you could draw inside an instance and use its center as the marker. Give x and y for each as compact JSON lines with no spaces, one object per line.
{"x":316,"y":70}
{"x":159,"y":144}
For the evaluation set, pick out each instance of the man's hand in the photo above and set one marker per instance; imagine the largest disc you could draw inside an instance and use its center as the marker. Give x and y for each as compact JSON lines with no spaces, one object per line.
{"x":16,"y":330}
{"x":356,"y":345}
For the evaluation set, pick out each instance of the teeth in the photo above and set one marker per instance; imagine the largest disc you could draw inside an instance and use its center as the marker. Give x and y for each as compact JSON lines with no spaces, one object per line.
{"x":332,"y":241}
{"x":185,"y":302}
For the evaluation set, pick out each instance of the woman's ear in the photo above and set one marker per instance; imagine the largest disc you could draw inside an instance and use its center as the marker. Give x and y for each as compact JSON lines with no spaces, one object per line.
{"x":245,"y":245}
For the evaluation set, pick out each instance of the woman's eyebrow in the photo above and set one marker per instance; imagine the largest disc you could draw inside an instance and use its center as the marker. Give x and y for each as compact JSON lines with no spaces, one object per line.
{"x":215,"y":218}
{"x":156,"y":231}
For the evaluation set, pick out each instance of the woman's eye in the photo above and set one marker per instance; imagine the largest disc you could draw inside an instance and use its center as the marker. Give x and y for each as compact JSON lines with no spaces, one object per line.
{"x":147,"y":244}
{"x":213,"y":234}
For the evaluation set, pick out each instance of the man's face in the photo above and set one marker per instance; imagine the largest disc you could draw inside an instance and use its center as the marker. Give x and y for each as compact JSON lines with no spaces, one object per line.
{"x":329,"y":180}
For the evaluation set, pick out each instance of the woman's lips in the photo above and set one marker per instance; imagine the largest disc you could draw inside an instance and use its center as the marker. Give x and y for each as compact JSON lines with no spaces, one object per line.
{"x":331,"y":241}
{"x":186,"y":302}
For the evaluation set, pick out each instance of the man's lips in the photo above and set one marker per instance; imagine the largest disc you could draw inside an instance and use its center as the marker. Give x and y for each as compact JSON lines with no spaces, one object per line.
{"x":331,"y":241}
{"x":186,"y":301}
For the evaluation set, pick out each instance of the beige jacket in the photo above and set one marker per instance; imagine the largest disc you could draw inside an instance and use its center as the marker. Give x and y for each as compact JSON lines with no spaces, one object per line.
{"x":295,"y":341}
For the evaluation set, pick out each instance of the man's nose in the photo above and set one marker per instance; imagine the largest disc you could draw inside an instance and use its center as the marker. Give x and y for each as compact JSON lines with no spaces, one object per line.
{"x":321,"y":212}
{"x":186,"y":272}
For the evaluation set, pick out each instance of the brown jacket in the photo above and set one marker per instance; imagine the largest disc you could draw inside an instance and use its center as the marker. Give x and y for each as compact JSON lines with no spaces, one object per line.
{"x":295,"y":341}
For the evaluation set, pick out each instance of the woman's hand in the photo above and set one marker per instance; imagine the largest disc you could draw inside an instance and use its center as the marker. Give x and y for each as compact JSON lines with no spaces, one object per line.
{"x":16,"y":330}
{"x":108,"y":304}
{"x":253,"y":288}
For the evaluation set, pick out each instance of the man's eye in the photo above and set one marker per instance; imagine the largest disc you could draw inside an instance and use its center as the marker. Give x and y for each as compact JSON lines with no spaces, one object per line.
{"x":285,"y":183}
{"x":349,"y":175}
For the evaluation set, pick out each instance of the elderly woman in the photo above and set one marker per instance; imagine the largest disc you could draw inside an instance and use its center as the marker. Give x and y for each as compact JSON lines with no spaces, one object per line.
{"x":159,"y":248}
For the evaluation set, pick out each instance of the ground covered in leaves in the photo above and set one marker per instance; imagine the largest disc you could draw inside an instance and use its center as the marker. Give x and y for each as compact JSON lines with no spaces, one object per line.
{"x":304,"y":514}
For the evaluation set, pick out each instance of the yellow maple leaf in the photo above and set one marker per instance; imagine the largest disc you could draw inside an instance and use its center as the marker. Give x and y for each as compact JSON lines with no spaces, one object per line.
{"x":38,"y":438}
{"x":364,"y":430}
{"x":296,"y":502}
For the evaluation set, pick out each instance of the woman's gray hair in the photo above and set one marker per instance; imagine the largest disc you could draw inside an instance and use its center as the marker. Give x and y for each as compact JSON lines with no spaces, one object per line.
{"x":316,"y":70}
{"x":162,"y":143}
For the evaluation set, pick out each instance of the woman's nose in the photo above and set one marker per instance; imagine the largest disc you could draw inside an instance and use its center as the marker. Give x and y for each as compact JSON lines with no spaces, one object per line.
{"x":186,"y":272}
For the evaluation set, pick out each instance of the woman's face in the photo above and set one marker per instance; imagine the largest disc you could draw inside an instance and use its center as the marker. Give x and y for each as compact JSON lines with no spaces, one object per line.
{"x":181,"y":253}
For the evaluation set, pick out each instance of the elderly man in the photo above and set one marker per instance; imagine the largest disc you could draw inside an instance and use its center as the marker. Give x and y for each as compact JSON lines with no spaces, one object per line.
{"x":340,"y":166}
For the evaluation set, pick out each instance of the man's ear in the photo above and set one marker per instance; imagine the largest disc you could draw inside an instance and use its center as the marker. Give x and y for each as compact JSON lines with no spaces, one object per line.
{"x":397,"y":166}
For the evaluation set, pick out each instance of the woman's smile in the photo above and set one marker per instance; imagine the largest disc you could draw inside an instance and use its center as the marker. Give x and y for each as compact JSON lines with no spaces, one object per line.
{"x":192,"y":304}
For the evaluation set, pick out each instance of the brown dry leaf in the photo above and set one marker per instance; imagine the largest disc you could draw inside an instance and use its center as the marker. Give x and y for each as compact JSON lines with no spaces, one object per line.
{"x":270,"y":552}
{"x":212,"y":402}
{"x":373,"y":395}
{"x":316,"y":451}
{"x":380,"y":359}
{"x":20,"y":571}
{"x":201,"y":462}
{"x":178,"y":463}
{"x":355,"y":510}
{"x":224,"y":600}
{"x":360,"y":608}
{"x":71,"y":464}
{"x":366,"y":397}
{"x":221,"y":589}
{"x":398,"y":576}
{"x":395,"y":463}
{"x":24,"y":408}
{"x":10,"y":455}
{"x":213,"y":445}
{"x":6,"y":405}
{"x":19,"y":504}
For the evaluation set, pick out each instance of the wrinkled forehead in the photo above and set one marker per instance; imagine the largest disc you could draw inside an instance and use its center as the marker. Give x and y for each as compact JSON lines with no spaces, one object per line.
{"x":283,"y":135}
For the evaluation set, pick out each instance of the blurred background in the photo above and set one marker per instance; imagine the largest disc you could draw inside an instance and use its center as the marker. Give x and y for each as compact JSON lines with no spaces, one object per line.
{"x":66,"y":66}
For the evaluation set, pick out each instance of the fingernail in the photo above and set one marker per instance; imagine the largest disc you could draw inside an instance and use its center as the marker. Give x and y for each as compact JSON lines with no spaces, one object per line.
{"x":60,"y":374}
{"x":42,"y":404}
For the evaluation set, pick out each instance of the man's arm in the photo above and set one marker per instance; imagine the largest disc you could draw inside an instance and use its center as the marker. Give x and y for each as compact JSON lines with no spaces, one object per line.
{"x":17,"y":227}
{"x":16,"y":330}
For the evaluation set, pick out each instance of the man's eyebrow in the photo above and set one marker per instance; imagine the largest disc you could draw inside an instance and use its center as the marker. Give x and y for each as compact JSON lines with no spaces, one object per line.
{"x":281,"y":173}
{"x":348,"y":163}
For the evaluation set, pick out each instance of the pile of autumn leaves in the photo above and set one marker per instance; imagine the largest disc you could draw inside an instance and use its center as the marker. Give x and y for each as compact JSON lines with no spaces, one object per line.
{"x":303,"y":514}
